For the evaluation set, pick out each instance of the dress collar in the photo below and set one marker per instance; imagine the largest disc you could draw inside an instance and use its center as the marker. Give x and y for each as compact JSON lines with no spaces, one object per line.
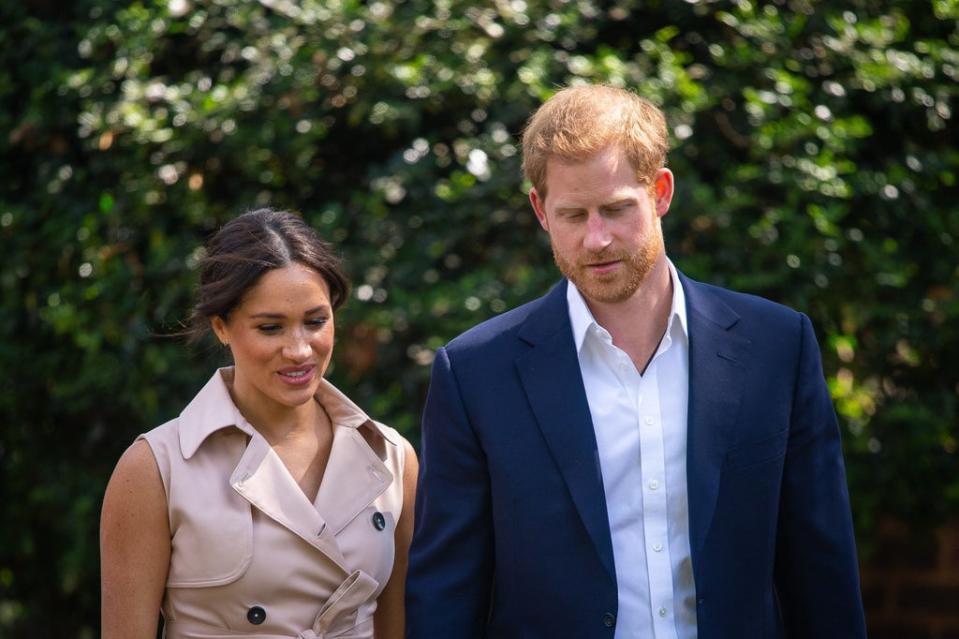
{"x":213,"y":409}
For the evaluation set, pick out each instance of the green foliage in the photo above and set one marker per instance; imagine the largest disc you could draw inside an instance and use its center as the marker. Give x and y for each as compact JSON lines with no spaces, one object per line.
{"x":816,"y":159}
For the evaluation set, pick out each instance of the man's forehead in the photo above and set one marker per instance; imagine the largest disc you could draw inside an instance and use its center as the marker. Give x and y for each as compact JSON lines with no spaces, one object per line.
{"x":598,"y":176}
{"x":583,"y":199}
{"x":612,"y":155}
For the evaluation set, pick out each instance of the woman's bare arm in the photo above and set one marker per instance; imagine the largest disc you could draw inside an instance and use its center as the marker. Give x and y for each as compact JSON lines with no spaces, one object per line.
{"x":134,"y":547}
{"x":390,"y":617}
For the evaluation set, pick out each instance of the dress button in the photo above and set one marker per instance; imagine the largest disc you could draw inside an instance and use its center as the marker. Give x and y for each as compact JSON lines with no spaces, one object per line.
{"x":609,"y":620}
{"x":379,"y":521}
{"x":256,"y":615}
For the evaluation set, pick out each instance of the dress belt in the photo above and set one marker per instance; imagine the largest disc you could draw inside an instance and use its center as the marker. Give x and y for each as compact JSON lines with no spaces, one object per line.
{"x":338,"y":614}
{"x":337,"y":619}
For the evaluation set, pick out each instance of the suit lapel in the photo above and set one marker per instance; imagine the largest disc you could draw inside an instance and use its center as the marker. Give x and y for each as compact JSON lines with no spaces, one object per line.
{"x":551,"y":377}
{"x":717,"y":357}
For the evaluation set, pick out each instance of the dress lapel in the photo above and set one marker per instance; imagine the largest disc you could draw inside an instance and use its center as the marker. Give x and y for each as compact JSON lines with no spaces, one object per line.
{"x":354,"y":477}
{"x":261,"y":478}
{"x":717,"y":357}
{"x":554,"y":386}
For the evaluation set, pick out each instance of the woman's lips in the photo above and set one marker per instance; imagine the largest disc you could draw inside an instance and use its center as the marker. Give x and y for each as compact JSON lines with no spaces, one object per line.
{"x":297,"y":375}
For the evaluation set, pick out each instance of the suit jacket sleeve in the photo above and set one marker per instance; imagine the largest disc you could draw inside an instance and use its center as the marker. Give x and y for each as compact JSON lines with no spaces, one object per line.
{"x":816,"y":570}
{"x":451,"y":558}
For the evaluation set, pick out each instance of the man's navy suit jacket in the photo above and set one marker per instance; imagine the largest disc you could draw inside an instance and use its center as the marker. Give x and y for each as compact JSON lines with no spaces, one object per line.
{"x":512,"y":537}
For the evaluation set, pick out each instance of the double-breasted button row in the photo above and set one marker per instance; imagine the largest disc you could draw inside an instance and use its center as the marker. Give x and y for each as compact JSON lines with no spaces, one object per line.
{"x":257,"y":615}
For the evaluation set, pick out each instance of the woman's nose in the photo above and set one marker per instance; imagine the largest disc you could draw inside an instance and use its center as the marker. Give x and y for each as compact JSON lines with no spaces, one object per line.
{"x":297,"y":348}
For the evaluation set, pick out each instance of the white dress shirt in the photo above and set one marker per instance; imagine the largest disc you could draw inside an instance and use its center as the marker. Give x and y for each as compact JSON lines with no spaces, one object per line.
{"x":640,"y":425}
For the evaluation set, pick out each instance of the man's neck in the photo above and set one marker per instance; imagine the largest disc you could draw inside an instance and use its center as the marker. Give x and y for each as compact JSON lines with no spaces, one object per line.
{"x":637,"y":324}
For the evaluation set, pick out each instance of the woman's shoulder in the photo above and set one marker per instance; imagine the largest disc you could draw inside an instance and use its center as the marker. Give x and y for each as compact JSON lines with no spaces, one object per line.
{"x":167,"y":432}
{"x":390,"y":434}
{"x":161,"y":444}
{"x":210,"y":411}
{"x":163,"y":441}
{"x":401,"y":453}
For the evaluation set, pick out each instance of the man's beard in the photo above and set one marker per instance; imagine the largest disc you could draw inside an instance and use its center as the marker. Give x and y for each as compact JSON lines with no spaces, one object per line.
{"x":620,"y":285}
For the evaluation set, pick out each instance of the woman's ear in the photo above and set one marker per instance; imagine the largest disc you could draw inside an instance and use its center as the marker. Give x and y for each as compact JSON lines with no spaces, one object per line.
{"x":218,"y":324}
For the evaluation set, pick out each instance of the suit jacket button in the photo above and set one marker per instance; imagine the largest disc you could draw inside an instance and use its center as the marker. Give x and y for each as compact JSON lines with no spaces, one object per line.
{"x":256,"y":615}
{"x":609,"y":620}
{"x":379,"y":521}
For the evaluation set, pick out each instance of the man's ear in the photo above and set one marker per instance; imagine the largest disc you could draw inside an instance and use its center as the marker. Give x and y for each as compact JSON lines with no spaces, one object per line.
{"x":539,"y":207}
{"x":663,"y":191}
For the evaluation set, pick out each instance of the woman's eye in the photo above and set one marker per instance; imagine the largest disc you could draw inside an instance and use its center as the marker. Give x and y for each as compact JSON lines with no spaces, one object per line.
{"x":268,"y":328}
{"x":317,"y":322}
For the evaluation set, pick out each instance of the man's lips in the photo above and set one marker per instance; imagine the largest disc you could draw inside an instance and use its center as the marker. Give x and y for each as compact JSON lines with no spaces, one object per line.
{"x":603,"y":267}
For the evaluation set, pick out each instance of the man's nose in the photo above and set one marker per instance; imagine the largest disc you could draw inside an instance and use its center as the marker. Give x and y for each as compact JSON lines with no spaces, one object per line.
{"x":598,"y":236}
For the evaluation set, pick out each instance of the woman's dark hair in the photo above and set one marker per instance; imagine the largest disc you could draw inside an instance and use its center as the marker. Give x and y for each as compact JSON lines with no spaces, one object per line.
{"x":249,"y":246}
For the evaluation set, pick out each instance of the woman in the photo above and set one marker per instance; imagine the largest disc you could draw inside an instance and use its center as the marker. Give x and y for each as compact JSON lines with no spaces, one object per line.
{"x":272,"y":507}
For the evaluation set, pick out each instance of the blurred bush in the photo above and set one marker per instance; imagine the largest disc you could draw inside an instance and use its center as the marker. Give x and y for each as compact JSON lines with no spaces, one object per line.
{"x":816,"y":157}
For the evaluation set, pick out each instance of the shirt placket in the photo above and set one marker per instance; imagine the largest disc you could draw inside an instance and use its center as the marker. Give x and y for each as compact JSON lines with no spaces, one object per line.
{"x":655,"y":514}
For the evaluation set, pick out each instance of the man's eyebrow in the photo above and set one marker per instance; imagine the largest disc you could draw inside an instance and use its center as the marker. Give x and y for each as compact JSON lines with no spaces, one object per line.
{"x":619,"y":202}
{"x":605,"y":205}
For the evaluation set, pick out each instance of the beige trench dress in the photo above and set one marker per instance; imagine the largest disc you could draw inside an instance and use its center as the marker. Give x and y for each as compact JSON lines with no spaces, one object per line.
{"x":251,"y":555}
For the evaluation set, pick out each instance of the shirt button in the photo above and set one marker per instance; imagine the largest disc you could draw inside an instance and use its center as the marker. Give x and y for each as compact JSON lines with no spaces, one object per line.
{"x":609,"y":620}
{"x":256,"y":615}
{"x":658,"y":547}
{"x":662,"y":612}
{"x":653,"y":484}
{"x":649,"y":420}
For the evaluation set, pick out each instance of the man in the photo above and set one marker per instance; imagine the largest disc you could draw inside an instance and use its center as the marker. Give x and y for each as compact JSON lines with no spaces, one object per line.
{"x":634,"y":454}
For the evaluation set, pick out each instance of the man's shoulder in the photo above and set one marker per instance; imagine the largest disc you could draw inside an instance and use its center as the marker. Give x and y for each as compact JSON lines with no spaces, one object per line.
{"x":747,"y":302}
{"x":753,"y":310}
{"x":499,"y":331}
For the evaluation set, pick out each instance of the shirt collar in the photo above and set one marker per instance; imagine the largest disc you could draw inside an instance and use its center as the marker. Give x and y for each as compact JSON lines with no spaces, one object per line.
{"x":582,"y":320}
{"x":213,"y":409}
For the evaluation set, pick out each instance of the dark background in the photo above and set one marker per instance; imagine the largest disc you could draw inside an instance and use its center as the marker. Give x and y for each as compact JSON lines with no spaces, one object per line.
{"x":815,"y":151}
